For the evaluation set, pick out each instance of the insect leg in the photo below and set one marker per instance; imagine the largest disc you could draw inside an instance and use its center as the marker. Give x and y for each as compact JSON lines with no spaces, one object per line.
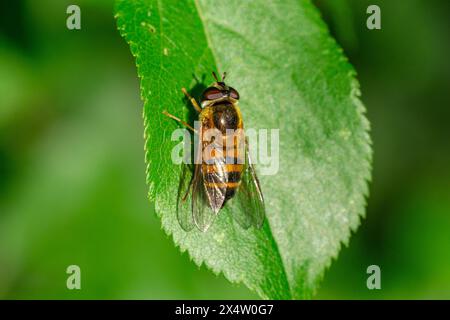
{"x":179,"y":120}
{"x":194,"y":103}
{"x":191,"y":183}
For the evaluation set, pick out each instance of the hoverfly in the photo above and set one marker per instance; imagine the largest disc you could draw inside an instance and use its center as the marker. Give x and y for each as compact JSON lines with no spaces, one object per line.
{"x":225,"y":174}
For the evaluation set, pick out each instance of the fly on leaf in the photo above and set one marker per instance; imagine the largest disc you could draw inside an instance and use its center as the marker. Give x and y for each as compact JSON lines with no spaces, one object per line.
{"x":223,"y":173}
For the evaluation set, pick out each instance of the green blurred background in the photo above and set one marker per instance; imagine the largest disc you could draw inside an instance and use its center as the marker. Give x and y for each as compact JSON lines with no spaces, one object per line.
{"x":72,"y":183}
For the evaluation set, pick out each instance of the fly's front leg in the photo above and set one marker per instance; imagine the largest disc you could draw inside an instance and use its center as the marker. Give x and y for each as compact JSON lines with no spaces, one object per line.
{"x":179,"y":120}
{"x":194,"y":104}
{"x":193,"y":101}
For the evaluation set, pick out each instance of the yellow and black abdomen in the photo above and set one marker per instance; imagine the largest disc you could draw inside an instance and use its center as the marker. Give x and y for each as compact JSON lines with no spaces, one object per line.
{"x":222,"y":165}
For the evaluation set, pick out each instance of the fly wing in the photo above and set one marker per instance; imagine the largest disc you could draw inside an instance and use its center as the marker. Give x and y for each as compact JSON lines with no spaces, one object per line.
{"x":248,"y":204}
{"x":215,"y":183}
{"x":207,"y":198}
{"x":184,"y":198}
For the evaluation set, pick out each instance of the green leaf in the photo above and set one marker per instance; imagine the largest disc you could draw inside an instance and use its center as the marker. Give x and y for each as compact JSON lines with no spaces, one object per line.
{"x":291,"y":76}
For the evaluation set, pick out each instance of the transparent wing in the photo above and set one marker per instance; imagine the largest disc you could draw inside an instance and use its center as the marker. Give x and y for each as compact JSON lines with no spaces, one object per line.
{"x":207,"y":198}
{"x":215,"y":180}
{"x":184,"y":198}
{"x":247,"y":206}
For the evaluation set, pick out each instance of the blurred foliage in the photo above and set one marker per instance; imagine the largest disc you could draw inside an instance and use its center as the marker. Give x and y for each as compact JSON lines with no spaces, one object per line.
{"x":72,"y":183}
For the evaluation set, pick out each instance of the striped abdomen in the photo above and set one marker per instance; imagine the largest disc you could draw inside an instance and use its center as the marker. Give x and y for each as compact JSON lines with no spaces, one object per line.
{"x":222,"y":162}
{"x":226,"y":178}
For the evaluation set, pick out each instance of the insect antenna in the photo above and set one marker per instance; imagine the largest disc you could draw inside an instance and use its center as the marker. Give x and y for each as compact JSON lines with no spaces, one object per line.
{"x":223,"y":76}
{"x":215,"y":76}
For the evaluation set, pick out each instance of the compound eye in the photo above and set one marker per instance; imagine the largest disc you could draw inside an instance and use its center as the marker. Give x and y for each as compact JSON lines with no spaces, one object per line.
{"x":234,"y":94}
{"x":212,"y":94}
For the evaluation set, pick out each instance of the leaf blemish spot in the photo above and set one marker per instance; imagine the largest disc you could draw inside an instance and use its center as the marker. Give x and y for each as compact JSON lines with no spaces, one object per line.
{"x":219,"y":237}
{"x":345,"y":134}
{"x":166,"y":51}
{"x":151,"y":28}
